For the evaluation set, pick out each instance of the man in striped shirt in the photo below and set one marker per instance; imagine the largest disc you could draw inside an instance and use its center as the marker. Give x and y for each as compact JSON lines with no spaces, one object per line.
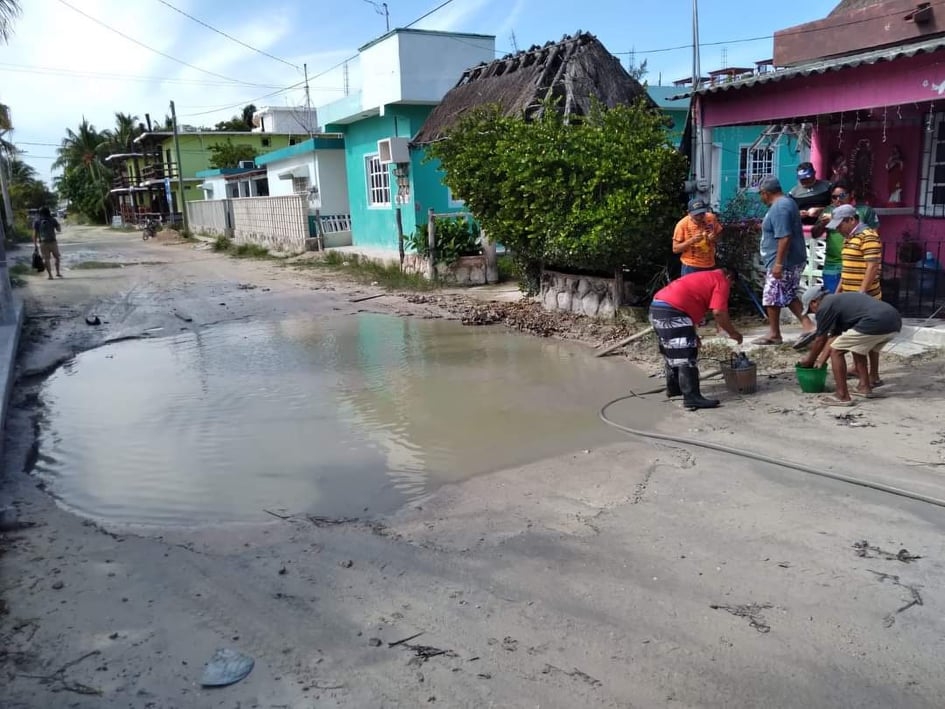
{"x":862,"y":253}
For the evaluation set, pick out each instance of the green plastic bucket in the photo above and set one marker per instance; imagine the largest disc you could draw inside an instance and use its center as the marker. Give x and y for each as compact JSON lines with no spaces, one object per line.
{"x":812,"y":381}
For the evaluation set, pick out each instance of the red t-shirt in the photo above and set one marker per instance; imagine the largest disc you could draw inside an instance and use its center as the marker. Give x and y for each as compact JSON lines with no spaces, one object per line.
{"x":697,"y":293}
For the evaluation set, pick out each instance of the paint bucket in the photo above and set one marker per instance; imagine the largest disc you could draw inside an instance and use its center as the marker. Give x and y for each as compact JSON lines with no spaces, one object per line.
{"x":813,"y":380}
{"x":740,"y":380}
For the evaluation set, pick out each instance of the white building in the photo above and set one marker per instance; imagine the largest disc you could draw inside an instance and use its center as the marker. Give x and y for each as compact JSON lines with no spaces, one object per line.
{"x":296,"y":120}
{"x":315,"y":167}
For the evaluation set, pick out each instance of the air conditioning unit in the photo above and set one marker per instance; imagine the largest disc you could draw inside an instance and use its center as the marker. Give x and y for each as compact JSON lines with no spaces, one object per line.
{"x":393,"y":150}
{"x":247,"y":164}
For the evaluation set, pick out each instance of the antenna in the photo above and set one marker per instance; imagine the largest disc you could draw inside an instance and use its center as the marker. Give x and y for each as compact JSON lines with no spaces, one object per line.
{"x":347,"y":81}
{"x":725,"y":57}
{"x":381,"y":9}
{"x":307,"y":126}
{"x":514,"y":41}
{"x":631,"y":59}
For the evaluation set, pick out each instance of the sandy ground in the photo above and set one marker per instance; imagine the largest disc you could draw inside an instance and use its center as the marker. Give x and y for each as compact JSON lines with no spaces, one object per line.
{"x":636,"y":575}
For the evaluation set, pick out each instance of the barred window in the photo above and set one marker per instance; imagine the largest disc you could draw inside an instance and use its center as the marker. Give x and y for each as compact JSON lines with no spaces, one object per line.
{"x":299,"y":185}
{"x":754,"y":165}
{"x":933,"y":178}
{"x":378,"y":182}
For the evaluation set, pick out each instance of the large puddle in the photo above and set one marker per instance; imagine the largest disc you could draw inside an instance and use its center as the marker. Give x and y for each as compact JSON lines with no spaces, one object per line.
{"x":318,"y":416}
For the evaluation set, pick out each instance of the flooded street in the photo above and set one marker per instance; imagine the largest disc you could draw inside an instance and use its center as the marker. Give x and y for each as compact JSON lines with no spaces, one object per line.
{"x":324,"y":416}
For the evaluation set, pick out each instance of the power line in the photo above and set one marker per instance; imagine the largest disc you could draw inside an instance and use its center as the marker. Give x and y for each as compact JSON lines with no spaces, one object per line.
{"x":426,"y":15}
{"x":229,"y":37}
{"x":243,"y":103}
{"x":156,"y":51}
{"x":58,"y":71}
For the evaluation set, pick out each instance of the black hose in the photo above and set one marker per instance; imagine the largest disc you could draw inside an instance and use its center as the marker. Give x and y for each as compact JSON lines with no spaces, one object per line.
{"x":756,"y":456}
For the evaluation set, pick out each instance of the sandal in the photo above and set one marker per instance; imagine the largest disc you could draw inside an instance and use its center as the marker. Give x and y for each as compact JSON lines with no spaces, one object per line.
{"x":766,"y":341}
{"x":871,"y":395}
{"x":834,"y":401}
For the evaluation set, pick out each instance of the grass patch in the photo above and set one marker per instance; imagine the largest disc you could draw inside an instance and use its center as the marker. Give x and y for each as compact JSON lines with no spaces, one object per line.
{"x":92,"y":265}
{"x":249,"y":251}
{"x":386,"y":275}
{"x":20,"y":269}
{"x":222,"y":244}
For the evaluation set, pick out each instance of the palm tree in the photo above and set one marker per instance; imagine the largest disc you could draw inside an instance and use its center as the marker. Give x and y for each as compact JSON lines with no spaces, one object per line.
{"x":6,"y":124}
{"x":83,"y":149}
{"x":127,"y":128}
{"x":9,"y":10}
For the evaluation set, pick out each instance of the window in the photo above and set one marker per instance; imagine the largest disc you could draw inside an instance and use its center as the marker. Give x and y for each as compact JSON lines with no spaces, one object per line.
{"x":453,"y":202}
{"x":261,"y":187}
{"x":293,"y":141}
{"x":266,"y":142}
{"x":753,"y":165}
{"x":300,"y":185}
{"x":378,"y":182}
{"x":933,"y":177}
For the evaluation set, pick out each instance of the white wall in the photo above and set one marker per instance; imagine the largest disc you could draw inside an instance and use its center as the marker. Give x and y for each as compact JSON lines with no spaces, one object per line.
{"x":333,"y":182}
{"x":418,"y":67}
{"x":284,"y":119}
{"x":283,"y":188}
{"x":219,"y":188}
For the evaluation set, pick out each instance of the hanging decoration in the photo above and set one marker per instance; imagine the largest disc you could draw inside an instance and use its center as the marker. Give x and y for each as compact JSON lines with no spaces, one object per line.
{"x":856,"y":122}
{"x":884,"y":124}
{"x":840,"y":133}
{"x":899,"y":112}
{"x":931,"y":119}
{"x":894,"y":168}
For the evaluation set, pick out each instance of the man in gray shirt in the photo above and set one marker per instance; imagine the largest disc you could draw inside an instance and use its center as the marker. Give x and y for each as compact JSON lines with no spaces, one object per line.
{"x":861,"y":324}
{"x":784,"y":253}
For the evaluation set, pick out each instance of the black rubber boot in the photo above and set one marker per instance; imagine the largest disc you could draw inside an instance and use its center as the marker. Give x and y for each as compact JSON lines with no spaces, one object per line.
{"x":672,"y":381}
{"x":692,"y":395}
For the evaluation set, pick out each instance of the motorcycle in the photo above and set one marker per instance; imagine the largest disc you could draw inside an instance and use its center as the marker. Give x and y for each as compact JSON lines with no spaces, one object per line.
{"x":150,"y":229}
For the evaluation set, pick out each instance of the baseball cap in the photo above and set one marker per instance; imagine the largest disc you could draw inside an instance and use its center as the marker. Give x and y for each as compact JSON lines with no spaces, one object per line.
{"x":697,"y":206}
{"x":810,"y":295}
{"x":805,"y":173}
{"x":844,"y":211}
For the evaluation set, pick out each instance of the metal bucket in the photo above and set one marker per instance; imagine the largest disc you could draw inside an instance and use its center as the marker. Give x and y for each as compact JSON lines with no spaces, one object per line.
{"x":743,"y":380}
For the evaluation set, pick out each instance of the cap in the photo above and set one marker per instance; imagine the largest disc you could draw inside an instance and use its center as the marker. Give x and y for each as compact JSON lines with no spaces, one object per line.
{"x":805,"y":173}
{"x":697,"y":206}
{"x":810,"y":295}
{"x":770,"y":184}
{"x":844,"y":211}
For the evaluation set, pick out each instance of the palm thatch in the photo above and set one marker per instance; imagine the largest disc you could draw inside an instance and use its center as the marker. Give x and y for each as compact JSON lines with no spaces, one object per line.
{"x":576,"y":71}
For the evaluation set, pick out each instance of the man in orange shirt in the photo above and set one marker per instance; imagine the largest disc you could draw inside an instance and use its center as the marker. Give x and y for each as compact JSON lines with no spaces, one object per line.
{"x":694,"y":238}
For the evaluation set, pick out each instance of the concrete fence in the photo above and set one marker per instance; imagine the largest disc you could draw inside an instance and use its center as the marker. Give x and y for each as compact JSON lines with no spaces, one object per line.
{"x":212,"y":217}
{"x":278,"y":223}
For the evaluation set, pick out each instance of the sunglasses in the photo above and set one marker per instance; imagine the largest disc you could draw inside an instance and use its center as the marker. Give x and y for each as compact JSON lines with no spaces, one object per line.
{"x":839,"y":195}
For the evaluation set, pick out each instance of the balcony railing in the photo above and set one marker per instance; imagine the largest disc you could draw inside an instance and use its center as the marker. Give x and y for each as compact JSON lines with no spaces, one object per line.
{"x":159,"y":171}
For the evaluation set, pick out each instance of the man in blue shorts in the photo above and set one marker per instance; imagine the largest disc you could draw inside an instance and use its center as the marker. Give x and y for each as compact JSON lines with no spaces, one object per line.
{"x":784,"y":253}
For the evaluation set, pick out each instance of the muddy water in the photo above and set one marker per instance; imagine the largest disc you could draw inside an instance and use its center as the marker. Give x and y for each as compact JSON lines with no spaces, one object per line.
{"x":329,"y":417}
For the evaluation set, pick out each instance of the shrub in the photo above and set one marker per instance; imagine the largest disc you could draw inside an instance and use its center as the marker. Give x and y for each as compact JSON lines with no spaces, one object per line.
{"x":455,"y":238}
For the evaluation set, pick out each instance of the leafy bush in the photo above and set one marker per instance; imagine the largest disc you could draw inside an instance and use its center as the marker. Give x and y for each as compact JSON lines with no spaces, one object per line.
{"x":222,"y":244}
{"x":455,"y":237}
{"x":595,"y":194}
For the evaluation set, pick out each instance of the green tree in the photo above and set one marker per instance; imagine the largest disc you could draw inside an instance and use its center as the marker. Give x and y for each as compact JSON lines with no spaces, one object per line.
{"x":121,"y":137}
{"x":597,"y":193}
{"x":242,"y":123}
{"x":230,"y":154}
{"x":85,"y":179}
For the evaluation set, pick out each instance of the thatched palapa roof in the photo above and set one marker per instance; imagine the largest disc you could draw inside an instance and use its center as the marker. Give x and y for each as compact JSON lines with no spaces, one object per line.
{"x":575,"y":70}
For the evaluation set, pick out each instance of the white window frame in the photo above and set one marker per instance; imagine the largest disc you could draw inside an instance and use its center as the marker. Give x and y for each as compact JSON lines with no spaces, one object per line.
{"x":300,"y":185}
{"x":451,"y":200}
{"x":752,"y":177}
{"x":928,"y":207}
{"x":377,"y":182}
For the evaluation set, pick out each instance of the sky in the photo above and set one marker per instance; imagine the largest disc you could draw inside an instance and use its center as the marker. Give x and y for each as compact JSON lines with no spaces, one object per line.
{"x":68,"y":59}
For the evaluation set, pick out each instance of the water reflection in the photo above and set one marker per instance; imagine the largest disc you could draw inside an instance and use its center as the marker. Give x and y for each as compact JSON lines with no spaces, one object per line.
{"x":325,"y":416}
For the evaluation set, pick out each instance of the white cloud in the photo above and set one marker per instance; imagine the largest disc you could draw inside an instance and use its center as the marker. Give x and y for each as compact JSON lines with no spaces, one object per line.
{"x":97,"y":72}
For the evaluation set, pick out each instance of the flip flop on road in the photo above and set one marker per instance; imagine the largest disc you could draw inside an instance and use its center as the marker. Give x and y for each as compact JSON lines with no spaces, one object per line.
{"x":834,"y":401}
{"x":766,"y":341}
{"x":804,"y":340}
{"x":871,"y":395}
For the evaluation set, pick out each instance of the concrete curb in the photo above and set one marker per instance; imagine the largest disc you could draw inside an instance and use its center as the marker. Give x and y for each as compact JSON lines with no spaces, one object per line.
{"x":9,"y":341}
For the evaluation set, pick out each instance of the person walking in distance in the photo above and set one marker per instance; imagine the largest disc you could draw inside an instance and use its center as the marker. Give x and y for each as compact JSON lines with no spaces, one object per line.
{"x":695,"y":237}
{"x":673,"y":313}
{"x":784,"y":253}
{"x":45,"y":229}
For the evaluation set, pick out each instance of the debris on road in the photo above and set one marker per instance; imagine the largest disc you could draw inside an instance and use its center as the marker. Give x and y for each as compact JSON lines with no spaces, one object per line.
{"x":226,"y":667}
{"x":752,"y":611}
{"x":865,"y":550}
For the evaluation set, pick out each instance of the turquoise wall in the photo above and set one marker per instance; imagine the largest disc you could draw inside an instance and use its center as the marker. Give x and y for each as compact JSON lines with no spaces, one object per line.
{"x":376,"y":227}
{"x":732,"y":138}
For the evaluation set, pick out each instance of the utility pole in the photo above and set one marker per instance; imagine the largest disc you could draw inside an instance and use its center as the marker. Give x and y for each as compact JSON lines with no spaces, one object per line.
{"x":313,"y":187}
{"x":698,"y":163}
{"x":180,"y":172}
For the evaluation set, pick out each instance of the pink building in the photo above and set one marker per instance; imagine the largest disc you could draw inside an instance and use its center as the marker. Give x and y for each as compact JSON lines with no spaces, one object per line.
{"x":872,"y":111}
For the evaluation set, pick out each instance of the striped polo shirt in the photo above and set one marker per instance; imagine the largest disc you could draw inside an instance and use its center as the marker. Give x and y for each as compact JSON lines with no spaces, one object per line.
{"x":862,"y":247}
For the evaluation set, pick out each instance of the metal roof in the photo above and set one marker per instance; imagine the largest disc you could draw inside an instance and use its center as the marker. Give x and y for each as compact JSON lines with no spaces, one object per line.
{"x":822,"y":66}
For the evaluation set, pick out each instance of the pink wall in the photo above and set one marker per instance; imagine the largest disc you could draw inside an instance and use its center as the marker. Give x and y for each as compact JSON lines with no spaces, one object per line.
{"x":903,"y":81}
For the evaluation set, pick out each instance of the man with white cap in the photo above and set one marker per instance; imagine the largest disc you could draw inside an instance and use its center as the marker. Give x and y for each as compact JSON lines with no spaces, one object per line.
{"x":861,"y":325}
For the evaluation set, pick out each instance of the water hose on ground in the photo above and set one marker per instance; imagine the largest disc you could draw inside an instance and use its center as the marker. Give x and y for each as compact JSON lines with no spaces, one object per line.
{"x":753,"y":455}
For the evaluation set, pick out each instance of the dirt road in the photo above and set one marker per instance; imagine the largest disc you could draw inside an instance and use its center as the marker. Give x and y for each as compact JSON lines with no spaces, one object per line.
{"x":636,"y":575}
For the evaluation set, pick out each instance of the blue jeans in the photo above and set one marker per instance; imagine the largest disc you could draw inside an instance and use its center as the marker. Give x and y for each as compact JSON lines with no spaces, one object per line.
{"x":831,"y":281}
{"x":686,"y":270}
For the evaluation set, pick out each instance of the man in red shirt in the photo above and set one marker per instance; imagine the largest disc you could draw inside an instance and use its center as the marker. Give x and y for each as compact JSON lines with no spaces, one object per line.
{"x":673,"y":313}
